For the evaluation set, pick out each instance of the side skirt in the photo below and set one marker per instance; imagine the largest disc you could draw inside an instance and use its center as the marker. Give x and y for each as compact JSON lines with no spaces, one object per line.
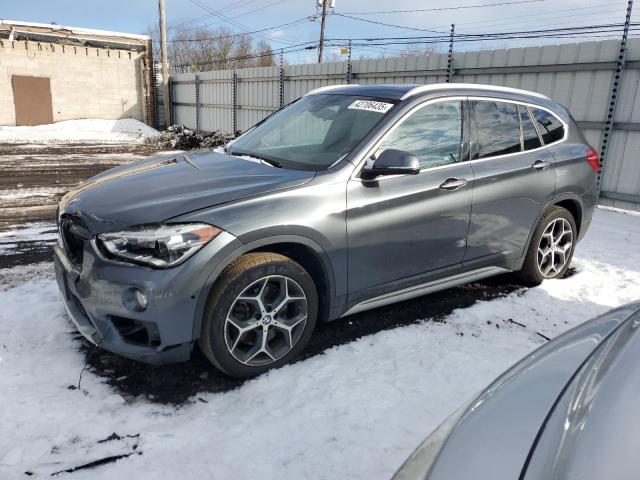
{"x":425,"y":288}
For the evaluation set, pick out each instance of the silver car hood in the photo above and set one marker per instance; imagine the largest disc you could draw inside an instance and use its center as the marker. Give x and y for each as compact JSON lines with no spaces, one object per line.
{"x":593,"y":432}
{"x":494,"y":437}
{"x":158,"y":189}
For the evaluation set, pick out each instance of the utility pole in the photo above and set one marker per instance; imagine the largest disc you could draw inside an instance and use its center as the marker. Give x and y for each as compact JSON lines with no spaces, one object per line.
{"x":322,"y":22}
{"x":166,"y":101}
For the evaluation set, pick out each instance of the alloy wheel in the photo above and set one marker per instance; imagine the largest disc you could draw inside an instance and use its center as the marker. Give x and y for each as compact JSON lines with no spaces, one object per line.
{"x":554,"y":249}
{"x":266,"y":320}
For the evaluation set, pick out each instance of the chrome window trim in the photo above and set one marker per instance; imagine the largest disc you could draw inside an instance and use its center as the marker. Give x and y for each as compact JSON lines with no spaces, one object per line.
{"x":369,"y":152}
{"x":529,"y":105}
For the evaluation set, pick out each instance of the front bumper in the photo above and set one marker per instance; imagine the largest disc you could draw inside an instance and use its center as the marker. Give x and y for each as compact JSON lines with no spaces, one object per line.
{"x":96,"y":296}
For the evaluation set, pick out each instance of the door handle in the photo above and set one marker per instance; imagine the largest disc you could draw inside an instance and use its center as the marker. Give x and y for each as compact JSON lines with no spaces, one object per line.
{"x":453,"y":184}
{"x":540,"y":164}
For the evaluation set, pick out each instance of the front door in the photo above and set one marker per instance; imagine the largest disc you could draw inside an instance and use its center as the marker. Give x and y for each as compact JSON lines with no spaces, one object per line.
{"x":401,"y":227}
{"x":514,"y":180}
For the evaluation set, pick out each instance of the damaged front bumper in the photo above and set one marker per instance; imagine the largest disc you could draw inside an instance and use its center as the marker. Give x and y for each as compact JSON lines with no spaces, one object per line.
{"x":97,"y":294}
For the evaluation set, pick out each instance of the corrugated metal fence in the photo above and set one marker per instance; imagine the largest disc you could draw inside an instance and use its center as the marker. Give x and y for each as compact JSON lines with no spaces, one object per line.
{"x":578,"y":75}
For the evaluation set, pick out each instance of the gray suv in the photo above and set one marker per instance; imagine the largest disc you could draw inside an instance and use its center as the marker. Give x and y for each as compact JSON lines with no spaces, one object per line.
{"x":350,"y":198}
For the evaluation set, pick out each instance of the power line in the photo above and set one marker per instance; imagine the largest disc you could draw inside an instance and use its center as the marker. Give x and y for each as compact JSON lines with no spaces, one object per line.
{"x":554,"y":13}
{"x":461,"y":7}
{"x":523,"y":32}
{"x":292,"y":49}
{"x":385,"y":24}
{"x":603,"y":15}
{"x":209,"y":15}
{"x":232,"y":22}
{"x":276,"y":27}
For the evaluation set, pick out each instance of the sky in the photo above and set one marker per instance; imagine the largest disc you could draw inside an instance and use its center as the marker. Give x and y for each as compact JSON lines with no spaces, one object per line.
{"x":139,"y":16}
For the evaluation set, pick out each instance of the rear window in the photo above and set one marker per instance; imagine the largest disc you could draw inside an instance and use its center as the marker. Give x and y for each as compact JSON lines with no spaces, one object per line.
{"x":550,"y":127}
{"x":498,"y":128}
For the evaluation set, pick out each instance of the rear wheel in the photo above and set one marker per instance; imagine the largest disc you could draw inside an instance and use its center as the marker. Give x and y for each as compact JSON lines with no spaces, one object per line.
{"x":260,"y":314}
{"x":551,"y":248}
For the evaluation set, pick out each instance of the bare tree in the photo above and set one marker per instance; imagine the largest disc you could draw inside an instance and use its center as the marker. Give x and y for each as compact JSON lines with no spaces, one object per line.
{"x":417,"y":50}
{"x":212,"y":49}
{"x":265,"y":56}
{"x":243,"y":53}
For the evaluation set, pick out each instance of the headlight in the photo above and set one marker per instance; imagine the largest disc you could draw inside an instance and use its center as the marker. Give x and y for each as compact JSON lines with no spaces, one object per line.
{"x":159,"y":246}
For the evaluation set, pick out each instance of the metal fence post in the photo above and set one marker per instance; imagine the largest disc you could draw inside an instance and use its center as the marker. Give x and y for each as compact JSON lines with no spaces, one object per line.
{"x":450,"y":57}
{"x":281,"y":80}
{"x":197,"y":87}
{"x":234,"y":99}
{"x":349,"y":68}
{"x":172,"y":112}
{"x":613,"y":98}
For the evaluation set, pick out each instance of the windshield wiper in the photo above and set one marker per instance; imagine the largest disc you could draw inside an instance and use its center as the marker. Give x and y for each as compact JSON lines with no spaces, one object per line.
{"x":273,"y":163}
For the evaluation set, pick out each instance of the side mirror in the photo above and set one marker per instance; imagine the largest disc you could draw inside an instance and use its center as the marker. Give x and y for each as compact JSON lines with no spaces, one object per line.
{"x":393,"y":162}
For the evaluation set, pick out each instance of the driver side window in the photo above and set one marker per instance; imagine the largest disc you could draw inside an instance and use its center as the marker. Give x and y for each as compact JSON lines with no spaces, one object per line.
{"x":433,"y":134}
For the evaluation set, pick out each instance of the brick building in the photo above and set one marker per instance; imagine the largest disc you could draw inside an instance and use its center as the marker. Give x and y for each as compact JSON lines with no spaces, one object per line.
{"x":50,"y":73}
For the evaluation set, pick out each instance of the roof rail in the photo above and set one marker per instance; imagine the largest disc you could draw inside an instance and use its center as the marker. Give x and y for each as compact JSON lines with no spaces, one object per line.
{"x":330,"y":87}
{"x":468,"y":86}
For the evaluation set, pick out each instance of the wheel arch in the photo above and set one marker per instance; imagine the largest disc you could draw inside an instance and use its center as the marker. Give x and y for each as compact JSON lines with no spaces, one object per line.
{"x":302,"y":250}
{"x":575,"y":209}
{"x":569,"y":201}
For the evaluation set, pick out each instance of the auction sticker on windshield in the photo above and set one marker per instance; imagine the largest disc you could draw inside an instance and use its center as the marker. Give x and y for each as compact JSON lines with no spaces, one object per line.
{"x":370,"y":106}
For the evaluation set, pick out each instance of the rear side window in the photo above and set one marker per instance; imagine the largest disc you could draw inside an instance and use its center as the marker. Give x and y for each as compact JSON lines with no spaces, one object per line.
{"x":433,"y":134}
{"x":498,"y":128}
{"x":550,"y":127}
{"x":529,"y":133}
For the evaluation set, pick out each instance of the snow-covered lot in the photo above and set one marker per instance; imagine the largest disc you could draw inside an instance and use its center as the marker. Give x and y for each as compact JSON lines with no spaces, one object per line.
{"x":92,"y":131}
{"x":356,"y":411}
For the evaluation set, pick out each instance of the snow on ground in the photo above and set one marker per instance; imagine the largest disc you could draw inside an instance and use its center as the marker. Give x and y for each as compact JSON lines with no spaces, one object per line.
{"x":80,"y":131}
{"x":35,"y":232}
{"x":354,"y":412}
{"x":30,"y":192}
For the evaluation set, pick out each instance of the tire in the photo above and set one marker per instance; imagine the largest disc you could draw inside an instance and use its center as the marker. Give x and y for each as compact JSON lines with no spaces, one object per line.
{"x":537,"y":266}
{"x":270,"y":307}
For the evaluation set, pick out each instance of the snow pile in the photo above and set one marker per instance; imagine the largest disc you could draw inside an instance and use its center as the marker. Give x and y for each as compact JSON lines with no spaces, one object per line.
{"x":354,"y":412}
{"x":179,"y":137}
{"x":87,"y":131}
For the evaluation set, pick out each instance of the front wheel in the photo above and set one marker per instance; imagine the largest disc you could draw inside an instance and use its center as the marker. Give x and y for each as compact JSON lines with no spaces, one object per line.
{"x":551,"y":248}
{"x":259,"y":315}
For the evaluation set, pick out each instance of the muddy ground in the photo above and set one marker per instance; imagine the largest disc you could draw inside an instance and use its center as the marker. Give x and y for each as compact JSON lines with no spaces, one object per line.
{"x":32,"y":180}
{"x":31,"y":184}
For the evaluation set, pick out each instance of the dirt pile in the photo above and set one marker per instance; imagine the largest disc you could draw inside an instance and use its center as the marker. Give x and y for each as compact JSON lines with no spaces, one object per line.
{"x":179,"y":137}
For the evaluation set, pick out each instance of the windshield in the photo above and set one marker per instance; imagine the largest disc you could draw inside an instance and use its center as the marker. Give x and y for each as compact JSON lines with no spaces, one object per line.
{"x":314,"y":132}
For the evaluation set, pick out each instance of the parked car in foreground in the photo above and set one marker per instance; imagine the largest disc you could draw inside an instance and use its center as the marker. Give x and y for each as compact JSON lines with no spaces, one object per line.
{"x":350,"y":198}
{"x":566,"y":411}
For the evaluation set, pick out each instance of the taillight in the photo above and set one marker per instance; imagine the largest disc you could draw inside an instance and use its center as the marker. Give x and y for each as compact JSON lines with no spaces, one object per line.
{"x":593,"y":160}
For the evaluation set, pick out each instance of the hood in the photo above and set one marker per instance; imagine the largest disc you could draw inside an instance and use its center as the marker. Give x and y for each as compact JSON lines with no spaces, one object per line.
{"x":155,"y":190}
{"x":495,"y":434}
{"x":594,"y":431}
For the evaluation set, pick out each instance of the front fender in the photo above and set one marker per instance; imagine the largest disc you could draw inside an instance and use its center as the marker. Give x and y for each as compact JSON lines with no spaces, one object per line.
{"x":235,"y":250}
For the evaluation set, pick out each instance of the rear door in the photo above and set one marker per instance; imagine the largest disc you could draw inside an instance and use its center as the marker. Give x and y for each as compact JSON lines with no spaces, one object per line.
{"x":403,"y":226}
{"x":514,"y":179}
